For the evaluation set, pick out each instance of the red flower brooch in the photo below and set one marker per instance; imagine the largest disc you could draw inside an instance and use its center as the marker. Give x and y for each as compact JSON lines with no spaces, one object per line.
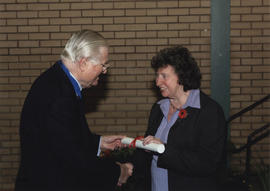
{"x":182,"y":113}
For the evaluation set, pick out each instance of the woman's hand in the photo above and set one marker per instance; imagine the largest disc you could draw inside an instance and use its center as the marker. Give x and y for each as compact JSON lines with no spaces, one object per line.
{"x":151,"y":139}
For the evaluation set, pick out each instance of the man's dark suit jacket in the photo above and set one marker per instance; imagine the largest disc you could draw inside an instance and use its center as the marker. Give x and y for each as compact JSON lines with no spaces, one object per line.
{"x":194,"y":149}
{"x":58,"y":151}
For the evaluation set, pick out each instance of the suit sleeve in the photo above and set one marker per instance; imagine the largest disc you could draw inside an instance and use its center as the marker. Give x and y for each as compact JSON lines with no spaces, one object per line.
{"x":204,"y":158}
{"x":74,"y":146}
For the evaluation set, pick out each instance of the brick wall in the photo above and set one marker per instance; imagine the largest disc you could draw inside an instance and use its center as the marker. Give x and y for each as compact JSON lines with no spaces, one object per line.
{"x":33,"y":33}
{"x":250,"y":73}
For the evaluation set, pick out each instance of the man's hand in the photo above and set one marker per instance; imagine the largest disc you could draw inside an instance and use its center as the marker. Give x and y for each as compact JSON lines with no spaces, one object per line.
{"x":111,"y":141}
{"x":126,"y":172}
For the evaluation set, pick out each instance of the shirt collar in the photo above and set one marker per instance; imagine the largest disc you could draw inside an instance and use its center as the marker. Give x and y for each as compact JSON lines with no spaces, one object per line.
{"x":76,"y":85}
{"x":76,"y":81}
{"x":192,"y":101}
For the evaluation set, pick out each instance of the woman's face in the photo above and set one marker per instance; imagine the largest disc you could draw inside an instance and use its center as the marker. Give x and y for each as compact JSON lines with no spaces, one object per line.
{"x":167,"y":81}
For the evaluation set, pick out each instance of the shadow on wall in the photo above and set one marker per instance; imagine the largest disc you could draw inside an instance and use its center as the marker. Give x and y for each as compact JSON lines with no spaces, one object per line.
{"x":94,"y":95}
{"x":156,"y":90}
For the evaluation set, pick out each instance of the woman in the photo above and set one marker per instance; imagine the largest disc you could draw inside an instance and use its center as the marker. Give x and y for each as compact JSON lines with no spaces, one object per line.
{"x":188,"y":122}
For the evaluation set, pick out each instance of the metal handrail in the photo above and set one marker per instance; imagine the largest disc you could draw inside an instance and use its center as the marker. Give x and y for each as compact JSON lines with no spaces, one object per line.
{"x":250,"y":140}
{"x":240,"y":113}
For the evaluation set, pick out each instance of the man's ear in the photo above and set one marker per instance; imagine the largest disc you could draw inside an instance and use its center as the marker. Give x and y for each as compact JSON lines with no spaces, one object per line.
{"x":82,"y":64}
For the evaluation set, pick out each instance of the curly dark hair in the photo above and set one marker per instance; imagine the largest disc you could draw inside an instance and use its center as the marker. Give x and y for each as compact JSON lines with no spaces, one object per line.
{"x":184,"y":64}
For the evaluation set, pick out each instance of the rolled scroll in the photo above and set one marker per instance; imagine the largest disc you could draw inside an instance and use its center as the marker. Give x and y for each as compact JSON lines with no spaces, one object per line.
{"x":160,"y":148}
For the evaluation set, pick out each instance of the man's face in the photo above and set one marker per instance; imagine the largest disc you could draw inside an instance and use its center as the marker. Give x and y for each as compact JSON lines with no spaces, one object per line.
{"x":90,"y":74}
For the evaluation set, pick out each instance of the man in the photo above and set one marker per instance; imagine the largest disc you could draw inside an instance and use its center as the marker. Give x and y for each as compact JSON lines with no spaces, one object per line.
{"x":58,"y":151}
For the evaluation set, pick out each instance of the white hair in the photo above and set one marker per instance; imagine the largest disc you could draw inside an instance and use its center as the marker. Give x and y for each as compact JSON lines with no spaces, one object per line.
{"x":83,"y":44}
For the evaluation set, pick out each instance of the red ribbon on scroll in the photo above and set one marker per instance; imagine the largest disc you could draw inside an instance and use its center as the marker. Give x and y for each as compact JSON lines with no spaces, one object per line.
{"x":133,"y":143}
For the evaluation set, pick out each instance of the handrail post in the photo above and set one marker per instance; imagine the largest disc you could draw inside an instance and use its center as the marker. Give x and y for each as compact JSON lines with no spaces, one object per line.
{"x":248,"y":154}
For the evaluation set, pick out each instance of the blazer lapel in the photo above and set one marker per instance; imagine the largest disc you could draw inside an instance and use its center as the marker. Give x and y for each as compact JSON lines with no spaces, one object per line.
{"x":154,"y":120}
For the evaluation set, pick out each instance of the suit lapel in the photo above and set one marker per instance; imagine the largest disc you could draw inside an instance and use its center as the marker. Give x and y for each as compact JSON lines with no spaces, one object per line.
{"x":154,"y":120}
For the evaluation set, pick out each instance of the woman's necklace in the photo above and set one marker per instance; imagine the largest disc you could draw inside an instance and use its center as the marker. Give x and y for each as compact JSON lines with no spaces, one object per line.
{"x":174,"y":107}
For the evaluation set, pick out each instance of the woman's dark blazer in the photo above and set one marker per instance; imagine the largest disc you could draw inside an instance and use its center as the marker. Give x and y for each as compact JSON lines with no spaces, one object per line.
{"x":194,"y":148}
{"x":58,"y":150}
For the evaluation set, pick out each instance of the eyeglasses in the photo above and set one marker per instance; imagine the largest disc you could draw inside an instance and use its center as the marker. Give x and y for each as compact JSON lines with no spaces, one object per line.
{"x":104,"y":66}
